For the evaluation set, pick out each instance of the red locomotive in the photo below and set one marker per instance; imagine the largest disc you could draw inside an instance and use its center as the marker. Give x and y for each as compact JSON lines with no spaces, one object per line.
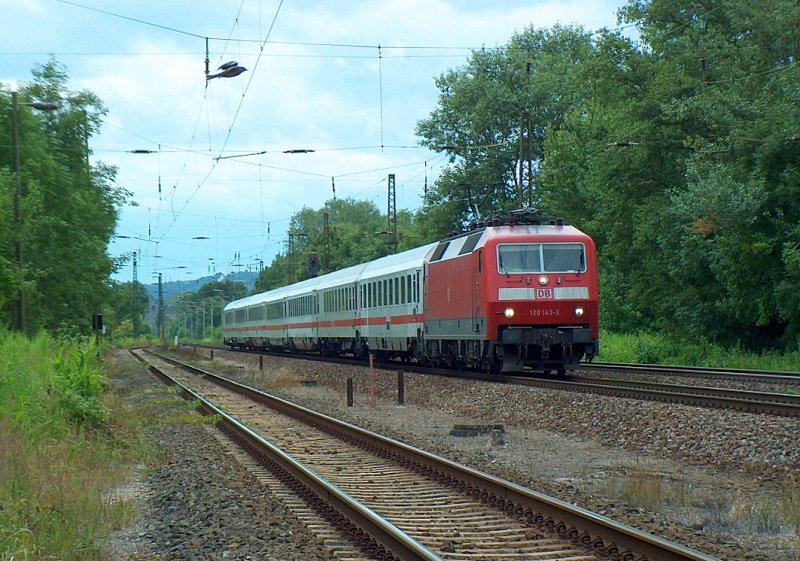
{"x":517,"y":291}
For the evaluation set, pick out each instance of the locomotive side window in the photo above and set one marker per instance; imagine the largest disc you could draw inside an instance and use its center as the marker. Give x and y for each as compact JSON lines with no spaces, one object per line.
{"x":439,"y":251}
{"x":470,"y":243}
{"x":541,"y":258}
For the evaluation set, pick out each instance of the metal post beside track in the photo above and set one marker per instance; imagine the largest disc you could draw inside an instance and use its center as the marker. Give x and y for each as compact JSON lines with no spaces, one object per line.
{"x":372,"y":394}
{"x":349,"y":392}
{"x":401,"y":388}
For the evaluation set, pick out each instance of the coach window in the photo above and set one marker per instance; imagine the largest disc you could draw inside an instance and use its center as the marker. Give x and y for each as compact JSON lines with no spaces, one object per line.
{"x":391,"y":292}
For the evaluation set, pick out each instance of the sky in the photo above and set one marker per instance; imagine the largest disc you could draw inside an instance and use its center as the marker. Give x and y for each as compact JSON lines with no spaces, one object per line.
{"x":348,"y":79}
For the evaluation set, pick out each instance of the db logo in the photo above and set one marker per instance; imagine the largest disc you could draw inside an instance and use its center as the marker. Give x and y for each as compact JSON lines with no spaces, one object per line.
{"x":544,"y":293}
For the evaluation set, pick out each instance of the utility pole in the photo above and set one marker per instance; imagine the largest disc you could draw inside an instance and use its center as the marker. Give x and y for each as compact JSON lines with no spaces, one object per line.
{"x":524,"y":159}
{"x":21,"y":322}
{"x":134,"y":306}
{"x":391,"y":215}
{"x":17,"y":212}
{"x":326,"y":237}
{"x":160,"y":307}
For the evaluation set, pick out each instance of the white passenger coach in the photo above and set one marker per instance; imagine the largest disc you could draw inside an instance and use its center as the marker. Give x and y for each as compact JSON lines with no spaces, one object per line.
{"x":375,"y":306}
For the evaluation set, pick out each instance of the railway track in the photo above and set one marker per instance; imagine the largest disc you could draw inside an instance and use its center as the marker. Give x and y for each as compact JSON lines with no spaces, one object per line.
{"x":737,"y":375}
{"x":399,"y":502}
{"x":772,"y":403}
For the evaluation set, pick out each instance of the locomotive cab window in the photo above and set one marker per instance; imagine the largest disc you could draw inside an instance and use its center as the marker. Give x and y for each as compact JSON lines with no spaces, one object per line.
{"x":541,"y":258}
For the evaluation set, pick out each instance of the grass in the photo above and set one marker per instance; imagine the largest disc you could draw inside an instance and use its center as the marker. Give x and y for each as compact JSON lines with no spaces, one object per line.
{"x":657,"y":492}
{"x":61,"y":451}
{"x":648,"y":348}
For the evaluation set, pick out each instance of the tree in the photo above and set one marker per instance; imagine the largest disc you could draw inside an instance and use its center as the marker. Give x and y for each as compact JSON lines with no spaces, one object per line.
{"x":198,"y":314}
{"x":353,"y":232}
{"x":681,"y":163}
{"x":69,"y":207}
{"x":484,"y":109}
{"x":127,"y":306}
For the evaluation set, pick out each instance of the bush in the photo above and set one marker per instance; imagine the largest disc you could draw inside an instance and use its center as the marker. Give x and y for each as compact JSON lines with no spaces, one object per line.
{"x":77,"y":384}
{"x":655,"y":348}
{"x":52,"y":470}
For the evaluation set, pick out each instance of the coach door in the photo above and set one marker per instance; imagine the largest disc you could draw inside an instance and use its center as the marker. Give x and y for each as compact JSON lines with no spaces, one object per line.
{"x":354,"y":304}
{"x":314,"y":315}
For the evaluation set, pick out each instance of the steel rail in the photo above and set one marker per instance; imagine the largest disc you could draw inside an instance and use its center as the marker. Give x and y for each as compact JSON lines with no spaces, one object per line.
{"x":771,"y":376}
{"x":787,"y":405}
{"x":383,"y":535}
{"x":771,"y":403}
{"x":605,"y":536}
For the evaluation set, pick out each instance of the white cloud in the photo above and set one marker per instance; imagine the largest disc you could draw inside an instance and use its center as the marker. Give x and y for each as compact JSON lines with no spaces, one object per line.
{"x":293,"y":96}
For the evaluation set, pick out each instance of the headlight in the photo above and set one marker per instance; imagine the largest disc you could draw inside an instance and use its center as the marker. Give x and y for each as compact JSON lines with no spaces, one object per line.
{"x":509,"y":313}
{"x":579,"y":311}
{"x":544,"y":280}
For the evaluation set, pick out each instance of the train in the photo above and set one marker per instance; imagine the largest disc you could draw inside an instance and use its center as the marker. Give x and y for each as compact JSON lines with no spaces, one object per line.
{"x":517,"y":292}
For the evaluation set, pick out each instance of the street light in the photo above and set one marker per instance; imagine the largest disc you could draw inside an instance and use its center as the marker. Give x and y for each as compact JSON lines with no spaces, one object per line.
{"x":18,"y":246}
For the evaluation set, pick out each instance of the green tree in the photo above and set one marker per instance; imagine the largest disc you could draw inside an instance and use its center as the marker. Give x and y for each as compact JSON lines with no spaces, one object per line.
{"x":681,"y":162}
{"x":198,"y":314}
{"x":127,"y":305}
{"x":484,"y":107}
{"x":353,"y":232}
{"x":69,"y":207}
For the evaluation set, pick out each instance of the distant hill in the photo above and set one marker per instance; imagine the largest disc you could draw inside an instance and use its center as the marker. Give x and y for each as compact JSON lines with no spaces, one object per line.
{"x":173,"y":288}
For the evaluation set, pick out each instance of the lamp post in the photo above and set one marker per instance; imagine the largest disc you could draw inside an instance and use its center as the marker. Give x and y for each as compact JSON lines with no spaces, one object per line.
{"x":18,"y":245}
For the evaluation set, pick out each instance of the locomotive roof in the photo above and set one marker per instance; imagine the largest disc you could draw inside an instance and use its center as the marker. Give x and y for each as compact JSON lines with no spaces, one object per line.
{"x":476,"y":239}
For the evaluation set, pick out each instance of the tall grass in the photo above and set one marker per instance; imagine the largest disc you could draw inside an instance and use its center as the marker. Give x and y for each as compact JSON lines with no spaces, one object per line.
{"x":649,"y":348}
{"x":55,"y":450}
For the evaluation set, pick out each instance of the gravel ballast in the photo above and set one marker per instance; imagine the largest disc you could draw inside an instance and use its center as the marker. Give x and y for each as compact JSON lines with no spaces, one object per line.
{"x":198,"y":503}
{"x":721,"y":481}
